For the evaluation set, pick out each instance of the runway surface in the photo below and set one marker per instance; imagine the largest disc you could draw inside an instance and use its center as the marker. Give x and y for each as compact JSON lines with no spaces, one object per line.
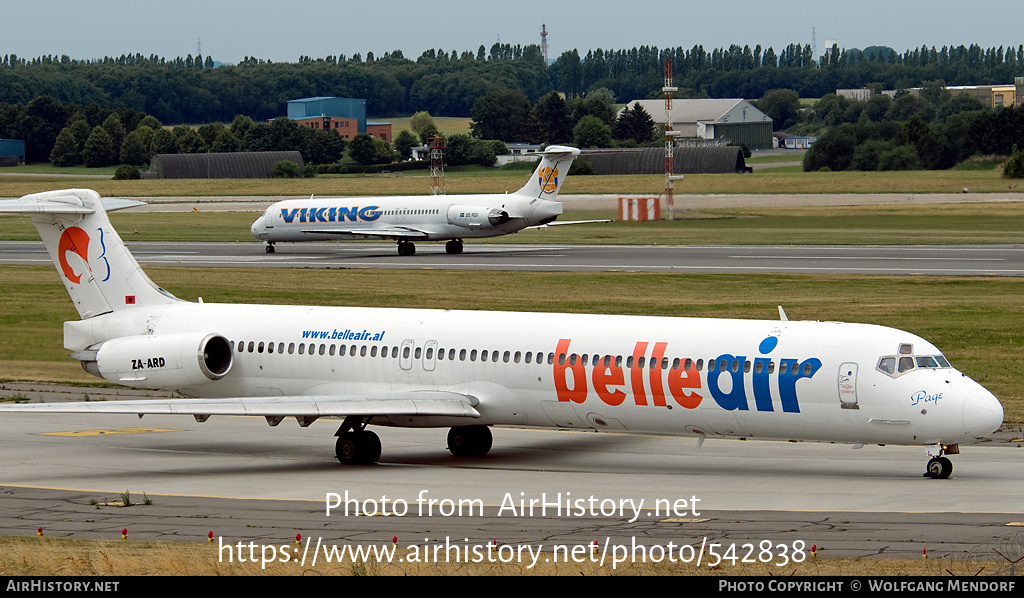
{"x":957,"y":260}
{"x":246,"y":482}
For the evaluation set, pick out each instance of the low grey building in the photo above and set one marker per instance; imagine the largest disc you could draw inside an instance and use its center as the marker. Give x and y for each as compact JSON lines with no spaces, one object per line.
{"x":734,"y":119}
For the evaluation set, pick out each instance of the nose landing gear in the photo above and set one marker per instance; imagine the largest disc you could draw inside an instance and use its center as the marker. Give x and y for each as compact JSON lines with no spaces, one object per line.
{"x":939,"y":467}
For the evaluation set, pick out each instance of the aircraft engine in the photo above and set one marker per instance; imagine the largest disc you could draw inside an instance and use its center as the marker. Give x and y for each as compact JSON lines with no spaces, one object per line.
{"x":160,"y":361}
{"x":476,"y":216}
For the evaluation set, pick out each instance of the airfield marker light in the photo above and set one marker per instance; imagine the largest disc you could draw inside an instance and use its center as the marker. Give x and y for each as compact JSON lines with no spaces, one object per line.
{"x":298,"y":539}
{"x":594,"y":548}
{"x":209,"y":537}
{"x":814,"y":551}
{"x":924,"y":553}
{"x":39,"y":532}
{"x":124,"y":534}
{"x":494,"y":544}
{"x":394,"y":541}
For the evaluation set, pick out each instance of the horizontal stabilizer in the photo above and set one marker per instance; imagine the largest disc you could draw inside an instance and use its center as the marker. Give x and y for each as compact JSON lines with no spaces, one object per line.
{"x":560,"y":222}
{"x":433,"y":403}
{"x":61,"y":204}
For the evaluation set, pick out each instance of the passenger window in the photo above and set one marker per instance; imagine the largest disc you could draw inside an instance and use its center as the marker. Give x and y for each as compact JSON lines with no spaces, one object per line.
{"x":302,"y":348}
{"x":291,"y":348}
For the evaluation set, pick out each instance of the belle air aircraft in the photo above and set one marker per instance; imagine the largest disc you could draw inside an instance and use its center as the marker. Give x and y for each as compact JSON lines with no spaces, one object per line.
{"x":423,"y":218}
{"x":469,"y":370}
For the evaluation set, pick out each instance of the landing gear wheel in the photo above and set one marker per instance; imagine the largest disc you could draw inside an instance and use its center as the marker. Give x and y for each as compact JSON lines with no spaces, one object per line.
{"x":358,"y":448}
{"x":453,"y":247}
{"x":469,"y":441}
{"x":406,"y":248}
{"x":270,"y":248}
{"x":939,"y":468}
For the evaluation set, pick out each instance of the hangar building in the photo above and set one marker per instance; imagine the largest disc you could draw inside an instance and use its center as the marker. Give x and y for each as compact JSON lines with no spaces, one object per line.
{"x":733,"y":119}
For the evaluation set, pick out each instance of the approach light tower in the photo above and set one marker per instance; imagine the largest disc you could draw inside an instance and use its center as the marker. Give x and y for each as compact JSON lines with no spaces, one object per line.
{"x":544,"y":43}
{"x":670,"y":141}
{"x":436,"y":146}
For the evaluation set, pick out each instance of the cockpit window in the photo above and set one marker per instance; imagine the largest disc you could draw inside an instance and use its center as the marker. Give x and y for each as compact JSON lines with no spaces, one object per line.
{"x":897,"y":365}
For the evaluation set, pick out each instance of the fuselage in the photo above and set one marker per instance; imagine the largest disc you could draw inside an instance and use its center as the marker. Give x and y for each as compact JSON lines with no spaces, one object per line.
{"x":428,"y":218}
{"x":796,"y":380}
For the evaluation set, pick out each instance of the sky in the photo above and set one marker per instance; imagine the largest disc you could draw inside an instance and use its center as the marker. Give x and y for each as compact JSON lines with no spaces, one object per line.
{"x":228,"y":30}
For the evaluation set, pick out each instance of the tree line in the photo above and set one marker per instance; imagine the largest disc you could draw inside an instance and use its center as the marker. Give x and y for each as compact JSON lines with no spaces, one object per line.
{"x":448,"y":83}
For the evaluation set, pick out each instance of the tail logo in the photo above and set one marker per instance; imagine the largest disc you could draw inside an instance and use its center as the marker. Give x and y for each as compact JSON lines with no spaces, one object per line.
{"x":548,"y":179}
{"x":75,"y":240}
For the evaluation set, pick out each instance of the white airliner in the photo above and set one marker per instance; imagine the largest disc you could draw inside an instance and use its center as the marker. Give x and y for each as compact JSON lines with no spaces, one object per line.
{"x":423,"y":218}
{"x":468,"y":370}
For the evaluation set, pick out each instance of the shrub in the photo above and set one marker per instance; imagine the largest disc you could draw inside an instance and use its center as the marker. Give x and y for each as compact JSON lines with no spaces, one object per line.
{"x":286,"y":169}
{"x":1014,"y":169}
{"x":126,"y":172}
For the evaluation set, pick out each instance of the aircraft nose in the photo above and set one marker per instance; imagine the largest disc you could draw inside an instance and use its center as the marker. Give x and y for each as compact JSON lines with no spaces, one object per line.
{"x":983,"y":413}
{"x":257,"y":229}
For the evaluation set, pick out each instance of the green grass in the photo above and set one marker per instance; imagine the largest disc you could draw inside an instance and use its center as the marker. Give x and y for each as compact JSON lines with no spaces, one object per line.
{"x":975,"y":321}
{"x":782,"y":181}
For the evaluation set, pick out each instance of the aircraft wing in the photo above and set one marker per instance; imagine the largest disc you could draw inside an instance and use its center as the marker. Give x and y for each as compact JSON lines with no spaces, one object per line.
{"x":437,"y":403}
{"x":388,"y":232}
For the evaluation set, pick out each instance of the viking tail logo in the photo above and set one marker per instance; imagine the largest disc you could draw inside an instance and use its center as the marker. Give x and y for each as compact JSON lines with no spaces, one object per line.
{"x":548,"y":179}
{"x":75,"y":240}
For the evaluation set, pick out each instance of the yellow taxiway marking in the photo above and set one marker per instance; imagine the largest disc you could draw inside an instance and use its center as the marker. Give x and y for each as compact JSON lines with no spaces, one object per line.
{"x":1017,"y":523}
{"x":107,"y":432}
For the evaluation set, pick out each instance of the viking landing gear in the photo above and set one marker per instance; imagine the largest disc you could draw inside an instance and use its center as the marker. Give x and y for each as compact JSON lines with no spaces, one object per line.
{"x":939,"y":467}
{"x":270,"y":247}
{"x":406,"y":248}
{"x":469,"y":441}
{"x":355,"y":445}
{"x":453,"y":247}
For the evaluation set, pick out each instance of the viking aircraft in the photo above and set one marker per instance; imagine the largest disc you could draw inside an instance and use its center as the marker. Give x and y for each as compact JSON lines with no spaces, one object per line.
{"x":470,"y":370}
{"x":423,"y":218}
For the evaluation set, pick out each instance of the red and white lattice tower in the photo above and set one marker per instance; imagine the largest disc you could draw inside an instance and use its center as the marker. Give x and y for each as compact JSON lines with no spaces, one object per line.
{"x":670,"y":141}
{"x":436,"y":146}
{"x":544,"y":43}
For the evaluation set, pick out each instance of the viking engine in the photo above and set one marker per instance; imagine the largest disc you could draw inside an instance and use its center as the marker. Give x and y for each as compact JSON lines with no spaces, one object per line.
{"x":476,"y":216}
{"x":165,"y":361}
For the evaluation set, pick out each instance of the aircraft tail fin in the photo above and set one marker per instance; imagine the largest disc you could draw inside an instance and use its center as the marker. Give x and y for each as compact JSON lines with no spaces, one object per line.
{"x":97,"y":269}
{"x":550,"y":173}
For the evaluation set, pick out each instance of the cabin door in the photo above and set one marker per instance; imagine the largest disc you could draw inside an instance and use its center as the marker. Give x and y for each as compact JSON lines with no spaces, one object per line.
{"x":848,"y":386}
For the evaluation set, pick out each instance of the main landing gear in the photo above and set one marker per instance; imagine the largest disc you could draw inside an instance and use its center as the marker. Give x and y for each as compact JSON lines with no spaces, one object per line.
{"x":939,"y":467}
{"x":357,"y":446}
{"x":270,"y":247}
{"x":407,"y":248}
